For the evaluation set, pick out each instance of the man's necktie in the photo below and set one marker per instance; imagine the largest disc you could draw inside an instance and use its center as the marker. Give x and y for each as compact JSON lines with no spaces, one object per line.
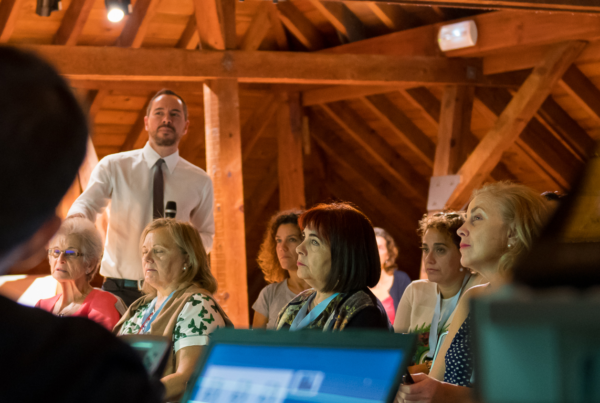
{"x":158,"y":190}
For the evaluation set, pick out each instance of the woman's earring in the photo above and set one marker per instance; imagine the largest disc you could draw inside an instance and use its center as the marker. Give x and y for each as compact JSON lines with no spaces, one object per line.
{"x":461,"y":269}
{"x":509,"y":246}
{"x":184,"y":267}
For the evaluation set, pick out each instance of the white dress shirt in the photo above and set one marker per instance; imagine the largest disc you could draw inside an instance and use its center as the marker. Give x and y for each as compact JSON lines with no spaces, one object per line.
{"x":125,"y":180}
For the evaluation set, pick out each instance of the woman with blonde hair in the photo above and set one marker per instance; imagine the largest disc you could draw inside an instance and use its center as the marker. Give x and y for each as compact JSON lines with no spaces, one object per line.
{"x":277,"y":259}
{"x":503,"y":220}
{"x":178,"y":302}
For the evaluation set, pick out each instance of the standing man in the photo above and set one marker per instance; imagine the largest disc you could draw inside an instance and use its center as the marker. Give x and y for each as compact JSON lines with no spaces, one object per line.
{"x":138,"y":183}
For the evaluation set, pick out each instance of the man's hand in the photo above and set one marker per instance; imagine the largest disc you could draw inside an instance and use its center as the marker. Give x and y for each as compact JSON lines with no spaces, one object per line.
{"x":422,"y":390}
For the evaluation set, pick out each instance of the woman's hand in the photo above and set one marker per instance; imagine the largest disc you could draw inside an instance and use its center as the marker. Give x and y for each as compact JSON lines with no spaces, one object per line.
{"x":422,"y":390}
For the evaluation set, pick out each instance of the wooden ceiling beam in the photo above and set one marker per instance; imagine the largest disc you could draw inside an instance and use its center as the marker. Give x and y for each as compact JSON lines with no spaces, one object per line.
{"x":257,"y":123}
{"x":342,"y":19}
{"x":394,"y":17}
{"x":177,"y":65}
{"x":389,"y":197}
{"x":138,"y":128}
{"x":277,"y":26}
{"x":402,"y":126}
{"x":9,"y":12}
{"x":300,"y":26}
{"x":513,"y":120}
{"x":258,"y":28}
{"x":137,"y":24}
{"x":583,"y":90}
{"x":189,"y":38}
{"x":95,"y":101}
{"x":399,"y":171}
{"x":336,"y":93}
{"x":496,"y":31}
{"x":215,"y":20}
{"x":431,"y":107}
{"x":73,"y":22}
{"x":566,"y":128}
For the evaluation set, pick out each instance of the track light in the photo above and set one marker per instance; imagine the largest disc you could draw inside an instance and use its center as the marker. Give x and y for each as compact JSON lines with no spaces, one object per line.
{"x":45,"y":7}
{"x":117,"y":9}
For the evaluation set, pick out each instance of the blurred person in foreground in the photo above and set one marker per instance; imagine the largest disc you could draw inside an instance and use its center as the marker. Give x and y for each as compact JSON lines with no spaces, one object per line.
{"x":393,"y":281}
{"x":503,"y":220}
{"x":74,"y":256}
{"x":178,"y":302}
{"x":428,"y":306}
{"x":338,"y":258}
{"x":278,"y":261}
{"x":46,"y":358}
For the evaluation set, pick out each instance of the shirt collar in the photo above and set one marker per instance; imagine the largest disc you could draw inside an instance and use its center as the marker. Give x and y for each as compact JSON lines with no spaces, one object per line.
{"x":152,"y":156}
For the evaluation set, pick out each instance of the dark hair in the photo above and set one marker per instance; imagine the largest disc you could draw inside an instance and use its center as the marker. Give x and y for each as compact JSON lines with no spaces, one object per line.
{"x":391,"y":247}
{"x":447,"y":223}
{"x":38,"y":113}
{"x":351,"y":238}
{"x":267,"y":256}
{"x":167,"y":92}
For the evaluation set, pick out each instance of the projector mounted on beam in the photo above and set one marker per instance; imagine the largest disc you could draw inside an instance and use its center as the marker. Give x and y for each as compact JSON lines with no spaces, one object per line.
{"x":457,"y":36}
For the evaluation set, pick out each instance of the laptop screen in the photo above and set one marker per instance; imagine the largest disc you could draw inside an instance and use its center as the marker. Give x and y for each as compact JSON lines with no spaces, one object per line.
{"x":276,"y":374}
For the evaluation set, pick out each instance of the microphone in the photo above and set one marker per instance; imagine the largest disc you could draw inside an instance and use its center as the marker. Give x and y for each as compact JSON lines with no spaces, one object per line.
{"x":171,"y":209}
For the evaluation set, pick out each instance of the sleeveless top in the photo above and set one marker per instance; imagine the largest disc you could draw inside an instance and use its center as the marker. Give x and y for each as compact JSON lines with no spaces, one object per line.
{"x":459,"y":358}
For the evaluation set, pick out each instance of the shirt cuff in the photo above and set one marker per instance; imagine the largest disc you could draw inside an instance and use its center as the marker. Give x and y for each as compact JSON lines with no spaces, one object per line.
{"x":191,"y":341}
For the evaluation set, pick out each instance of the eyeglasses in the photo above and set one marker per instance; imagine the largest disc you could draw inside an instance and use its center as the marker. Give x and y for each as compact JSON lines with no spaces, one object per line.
{"x":69,"y":253}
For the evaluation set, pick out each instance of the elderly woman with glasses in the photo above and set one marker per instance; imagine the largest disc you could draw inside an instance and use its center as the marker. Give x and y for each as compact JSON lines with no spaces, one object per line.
{"x":74,"y":254}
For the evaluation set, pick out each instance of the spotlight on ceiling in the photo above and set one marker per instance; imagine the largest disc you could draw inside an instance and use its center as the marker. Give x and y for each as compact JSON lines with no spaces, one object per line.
{"x":457,"y":36}
{"x":45,"y":7}
{"x":117,"y":9}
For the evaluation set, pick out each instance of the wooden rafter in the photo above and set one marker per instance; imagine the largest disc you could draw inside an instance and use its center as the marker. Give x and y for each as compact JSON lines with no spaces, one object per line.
{"x":117,"y":64}
{"x":73,"y":22}
{"x":430,"y":107}
{"x":406,"y":214}
{"x":513,"y":120}
{"x":189,"y":38}
{"x":539,"y":144}
{"x":583,"y":91}
{"x":402,"y":126}
{"x":496,"y":31}
{"x":258,"y":28}
{"x":566,"y":6}
{"x":257,"y":123}
{"x":401,"y":173}
{"x":277,"y":26}
{"x":395,"y":18}
{"x":215,"y":21}
{"x":336,"y":93}
{"x":137,"y":24}
{"x":138,"y":128}
{"x":9,"y":11}
{"x":342,"y":19}
{"x":300,"y":26}
{"x":566,"y":128}
{"x":95,"y":100}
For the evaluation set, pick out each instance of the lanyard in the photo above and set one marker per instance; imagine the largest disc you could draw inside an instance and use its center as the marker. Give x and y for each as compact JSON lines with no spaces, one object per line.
{"x":302,"y":319}
{"x":151,"y":314}
{"x":436,"y":322}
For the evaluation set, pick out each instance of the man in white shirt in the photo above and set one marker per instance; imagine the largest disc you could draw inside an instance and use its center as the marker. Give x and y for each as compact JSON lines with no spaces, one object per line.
{"x":128,"y":181}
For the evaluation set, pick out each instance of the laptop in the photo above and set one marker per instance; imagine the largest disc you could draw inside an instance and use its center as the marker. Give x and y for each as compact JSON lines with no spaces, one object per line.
{"x":262,"y":366}
{"x":153,"y":350}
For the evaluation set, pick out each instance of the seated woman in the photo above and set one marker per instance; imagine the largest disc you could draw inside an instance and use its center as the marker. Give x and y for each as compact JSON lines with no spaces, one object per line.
{"x":178,"y":303}
{"x":277,"y":259}
{"x":74,"y":254}
{"x":393,"y":282}
{"x":338,"y":257}
{"x":503,"y":219}
{"x":427,"y":306}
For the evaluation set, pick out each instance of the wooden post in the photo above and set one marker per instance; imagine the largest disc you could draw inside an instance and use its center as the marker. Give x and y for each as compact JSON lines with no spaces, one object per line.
{"x":224,"y":165}
{"x":289,"y":144}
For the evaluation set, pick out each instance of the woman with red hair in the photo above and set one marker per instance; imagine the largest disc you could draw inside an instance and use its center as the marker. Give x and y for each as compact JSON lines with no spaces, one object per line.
{"x":339,"y":259}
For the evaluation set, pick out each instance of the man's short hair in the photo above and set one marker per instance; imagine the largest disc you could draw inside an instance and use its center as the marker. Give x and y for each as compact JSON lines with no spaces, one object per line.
{"x":43,"y":136}
{"x":167,"y":92}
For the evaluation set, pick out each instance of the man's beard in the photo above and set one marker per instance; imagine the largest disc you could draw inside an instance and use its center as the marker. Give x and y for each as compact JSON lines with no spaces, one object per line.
{"x":162,"y":141}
